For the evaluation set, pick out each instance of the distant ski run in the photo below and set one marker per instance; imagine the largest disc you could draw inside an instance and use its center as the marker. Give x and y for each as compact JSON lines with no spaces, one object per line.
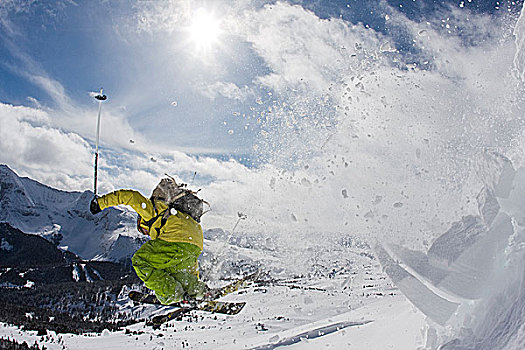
{"x":311,"y":334}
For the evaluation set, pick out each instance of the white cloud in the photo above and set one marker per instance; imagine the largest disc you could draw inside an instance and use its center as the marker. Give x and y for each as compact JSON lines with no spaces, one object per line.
{"x":519,"y":58}
{"x":12,"y":6}
{"x":407,"y":133}
{"x":53,"y":88}
{"x":33,"y":147}
{"x":165,"y":16}
{"x":226,"y":89}
{"x":66,"y":114}
{"x":303,"y":51}
{"x":30,"y":145}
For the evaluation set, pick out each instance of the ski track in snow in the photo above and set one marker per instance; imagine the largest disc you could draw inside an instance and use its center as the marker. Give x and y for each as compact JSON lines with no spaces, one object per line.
{"x":312,"y":334}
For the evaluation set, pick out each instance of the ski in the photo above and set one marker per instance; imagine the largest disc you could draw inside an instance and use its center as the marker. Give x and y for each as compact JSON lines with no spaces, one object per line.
{"x":157,"y":321}
{"x":215,"y":293}
{"x":212,"y":306}
{"x":143,"y":298}
{"x":237,"y":284}
{"x":185,"y":306}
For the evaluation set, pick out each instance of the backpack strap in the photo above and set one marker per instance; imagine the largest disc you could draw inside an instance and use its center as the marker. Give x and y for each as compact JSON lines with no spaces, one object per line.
{"x":151,"y":221}
{"x":166,"y":213}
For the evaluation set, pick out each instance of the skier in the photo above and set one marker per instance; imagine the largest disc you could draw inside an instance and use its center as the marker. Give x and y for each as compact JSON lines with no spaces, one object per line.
{"x":168,"y":262}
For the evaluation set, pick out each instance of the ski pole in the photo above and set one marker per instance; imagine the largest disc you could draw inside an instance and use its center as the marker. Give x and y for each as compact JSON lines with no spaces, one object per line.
{"x":241,"y":216}
{"x":100,"y":97}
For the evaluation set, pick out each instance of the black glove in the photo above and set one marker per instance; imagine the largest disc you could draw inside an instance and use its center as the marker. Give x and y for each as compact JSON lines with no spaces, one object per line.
{"x":94,"y":208}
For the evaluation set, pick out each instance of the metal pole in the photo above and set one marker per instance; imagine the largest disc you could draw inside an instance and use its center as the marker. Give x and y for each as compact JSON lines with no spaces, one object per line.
{"x":100,"y":97}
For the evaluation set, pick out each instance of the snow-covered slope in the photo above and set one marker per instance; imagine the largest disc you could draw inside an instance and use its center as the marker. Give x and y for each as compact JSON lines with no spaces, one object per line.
{"x":64,"y":217}
{"x":276,"y":319}
{"x":356,"y":309}
{"x":335,"y":295}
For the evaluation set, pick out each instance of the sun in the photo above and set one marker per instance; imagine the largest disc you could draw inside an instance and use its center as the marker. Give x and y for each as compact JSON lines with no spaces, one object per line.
{"x":204,"y":30}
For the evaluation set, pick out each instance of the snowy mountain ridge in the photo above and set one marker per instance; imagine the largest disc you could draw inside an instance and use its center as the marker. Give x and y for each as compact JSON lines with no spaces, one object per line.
{"x":64,"y":218}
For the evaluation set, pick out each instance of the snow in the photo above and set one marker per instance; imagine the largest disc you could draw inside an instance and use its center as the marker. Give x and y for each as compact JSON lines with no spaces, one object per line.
{"x":469,"y":283}
{"x":86,"y":273}
{"x":362,"y":328}
{"x":460,"y":292}
{"x":5,"y":245}
{"x":355,"y":306}
{"x":76,"y":273}
{"x":62,"y":217}
{"x":464,"y":290}
{"x":395,"y":325}
{"x":100,"y":278}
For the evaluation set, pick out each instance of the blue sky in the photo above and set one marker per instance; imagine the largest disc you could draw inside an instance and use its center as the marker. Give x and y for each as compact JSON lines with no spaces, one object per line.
{"x":84,"y":45}
{"x":259,"y":88}
{"x":79,"y":44}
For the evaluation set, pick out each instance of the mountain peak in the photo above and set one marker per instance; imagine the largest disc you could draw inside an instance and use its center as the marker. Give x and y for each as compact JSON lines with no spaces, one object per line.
{"x":6,"y":174}
{"x":63,"y":218}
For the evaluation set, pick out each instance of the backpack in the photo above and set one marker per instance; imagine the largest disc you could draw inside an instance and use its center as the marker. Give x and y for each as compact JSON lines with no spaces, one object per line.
{"x":178,"y":197}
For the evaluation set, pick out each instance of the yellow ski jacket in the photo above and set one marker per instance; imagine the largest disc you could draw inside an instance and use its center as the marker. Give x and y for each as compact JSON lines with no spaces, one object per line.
{"x":176,"y":228}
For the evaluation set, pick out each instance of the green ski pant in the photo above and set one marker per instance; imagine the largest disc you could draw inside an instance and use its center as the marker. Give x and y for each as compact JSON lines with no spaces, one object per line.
{"x":170,"y":269}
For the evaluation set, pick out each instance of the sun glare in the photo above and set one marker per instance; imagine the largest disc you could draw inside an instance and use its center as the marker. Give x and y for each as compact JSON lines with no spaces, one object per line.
{"x":204,"y":29}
